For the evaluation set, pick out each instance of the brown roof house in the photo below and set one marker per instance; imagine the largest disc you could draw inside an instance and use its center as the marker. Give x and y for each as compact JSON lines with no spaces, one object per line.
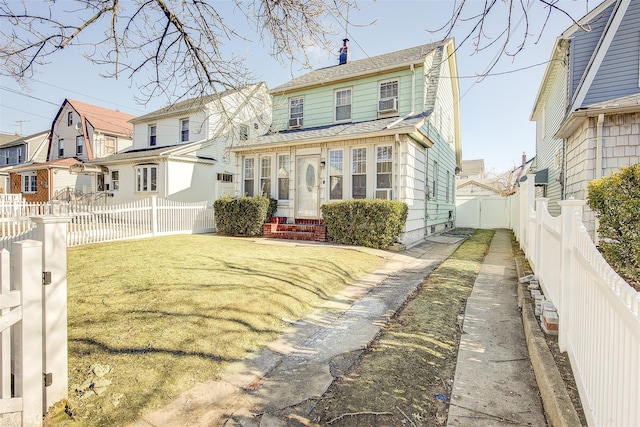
{"x":79,"y":133}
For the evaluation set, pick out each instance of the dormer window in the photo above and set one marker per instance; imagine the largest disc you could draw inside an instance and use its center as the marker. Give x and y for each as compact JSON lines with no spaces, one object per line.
{"x":296,"y":111}
{"x":70,"y":118}
{"x":388,"y":92}
{"x":343,"y":105}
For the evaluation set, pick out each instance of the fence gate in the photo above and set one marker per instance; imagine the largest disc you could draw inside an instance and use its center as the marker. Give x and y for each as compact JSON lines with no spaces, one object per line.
{"x":21,"y":335}
{"x":483,"y":212}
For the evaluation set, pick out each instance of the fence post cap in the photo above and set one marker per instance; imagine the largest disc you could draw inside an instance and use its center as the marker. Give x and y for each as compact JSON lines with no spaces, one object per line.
{"x":572,"y":202}
{"x":51,"y":219}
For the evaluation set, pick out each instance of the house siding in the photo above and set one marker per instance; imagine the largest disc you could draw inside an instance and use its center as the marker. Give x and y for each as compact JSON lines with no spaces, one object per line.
{"x":549,"y":153}
{"x":319,"y":108}
{"x":168,"y":130}
{"x":583,"y":44}
{"x":619,"y":73}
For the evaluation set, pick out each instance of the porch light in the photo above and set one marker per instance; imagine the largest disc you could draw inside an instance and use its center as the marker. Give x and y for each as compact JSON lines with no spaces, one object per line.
{"x":323,"y":163}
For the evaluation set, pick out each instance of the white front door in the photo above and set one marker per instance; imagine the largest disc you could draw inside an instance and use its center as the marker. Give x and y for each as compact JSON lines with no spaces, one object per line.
{"x":307,"y":187}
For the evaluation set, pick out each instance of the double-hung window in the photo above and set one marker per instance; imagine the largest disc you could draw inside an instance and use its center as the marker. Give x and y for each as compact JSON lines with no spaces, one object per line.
{"x":284,"y":166}
{"x":249,"y":176}
{"x":79,"y":142}
{"x":70,"y":118}
{"x":184,"y":130}
{"x":152,"y":135}
{"x":147,"y":178}
{"x":115,"y":180}
{"x":296,"y":111}
{"x":359,"y":173}
{"x":388,"y":96}
{"x":265,"y":176}
{"x":343,"y":105}
{"x":243,"y":131}
{"x":29,"y":183}
{"x":336,"y":172}
{"x":61,"y":148}
{"x":384,"y":171}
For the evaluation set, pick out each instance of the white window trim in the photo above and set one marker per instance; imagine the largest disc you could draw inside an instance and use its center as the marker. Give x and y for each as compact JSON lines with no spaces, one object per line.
{"x":112,"y":187}
{"x":381,"y":82}
{"x":155,"y":127}
{"x":288,"y":164}
{"x":366,"y":173}
{"x":182,"y":121}
{"x":344,"y":160}
{"x":139,"y":181}
{"x":291,"y":99}
{"x":244,"y":175}
{"x":391,"y":173}
{"x":335,"y":106}
{"x":32,"y":176}
{"x":269,"y":177}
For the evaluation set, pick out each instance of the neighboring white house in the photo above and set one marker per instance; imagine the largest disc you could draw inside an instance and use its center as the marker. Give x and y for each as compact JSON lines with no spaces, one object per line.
{"x":383,"y":127}
{"x":180,"y":152}
{"x":587,"y":110}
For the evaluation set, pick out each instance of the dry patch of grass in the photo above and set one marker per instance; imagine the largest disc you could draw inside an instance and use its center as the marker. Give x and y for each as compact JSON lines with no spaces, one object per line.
{"x":150,"y":318}
{"x":401,"y":378}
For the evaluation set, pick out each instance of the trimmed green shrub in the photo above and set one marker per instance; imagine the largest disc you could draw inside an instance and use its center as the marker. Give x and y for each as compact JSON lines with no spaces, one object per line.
{"x":616,"y":200}
{"x":242,"y":216}
{"x":371,"y":223}
{"x":273,"y":208}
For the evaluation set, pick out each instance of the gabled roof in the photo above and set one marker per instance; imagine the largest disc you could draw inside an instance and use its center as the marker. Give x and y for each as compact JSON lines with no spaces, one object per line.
{"x":102,"y":119}
{"x":58,"y":163}
{"x":343,"y":131}
{"x":154,"y":153}
{"x":475,"y":183}
{"x":560,"y":47}
{"x":8,"y":137}
{"x":19,"y":140}
{"x":361,"y":67}
{"x":189,"y":105}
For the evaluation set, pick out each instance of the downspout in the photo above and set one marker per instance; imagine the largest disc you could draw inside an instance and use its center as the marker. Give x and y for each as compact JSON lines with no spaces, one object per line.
{"x":50,"y":183}
{"x":413,"y":89}
{"x":399,"y":169}
{"x":598,"y":172}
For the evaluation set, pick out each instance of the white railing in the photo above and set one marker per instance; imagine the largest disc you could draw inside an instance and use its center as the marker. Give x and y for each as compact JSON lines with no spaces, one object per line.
{"x":94,"y":224}
{"x":599,"y":312}
{"x":33,"y":325}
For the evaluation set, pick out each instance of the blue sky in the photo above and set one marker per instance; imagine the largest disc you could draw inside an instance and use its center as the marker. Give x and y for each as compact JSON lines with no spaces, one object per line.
{"x":494,"y":111}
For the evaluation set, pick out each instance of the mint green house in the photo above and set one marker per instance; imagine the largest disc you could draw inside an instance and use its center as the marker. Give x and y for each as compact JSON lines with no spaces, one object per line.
{"x":385,"y":127}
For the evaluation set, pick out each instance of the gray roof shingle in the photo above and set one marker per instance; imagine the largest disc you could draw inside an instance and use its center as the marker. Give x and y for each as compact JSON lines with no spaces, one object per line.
{"x":360,"y":67}
{"x":342,"y":130}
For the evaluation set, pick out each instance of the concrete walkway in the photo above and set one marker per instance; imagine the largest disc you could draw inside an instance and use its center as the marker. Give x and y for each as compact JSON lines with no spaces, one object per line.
{"x":283,"y":381}
{"x":494,"y":383}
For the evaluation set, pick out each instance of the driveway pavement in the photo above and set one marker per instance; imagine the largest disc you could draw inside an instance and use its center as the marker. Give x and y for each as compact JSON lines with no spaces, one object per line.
{"x":282,"y":380}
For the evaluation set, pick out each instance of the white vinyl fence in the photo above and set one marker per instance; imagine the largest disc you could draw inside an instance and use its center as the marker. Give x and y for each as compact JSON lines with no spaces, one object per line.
{"x":483,"y":211}
{"x":93,"y":224}
{"x":599,"y":312}
{"x":33,"y":325}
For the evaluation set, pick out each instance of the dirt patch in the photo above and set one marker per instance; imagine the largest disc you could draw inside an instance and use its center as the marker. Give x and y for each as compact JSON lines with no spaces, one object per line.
{"x":406,"y":375}
{"x":561,"y":358}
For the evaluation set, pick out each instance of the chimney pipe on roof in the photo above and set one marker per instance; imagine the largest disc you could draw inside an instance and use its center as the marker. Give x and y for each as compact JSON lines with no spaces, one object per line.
{"x":524,"y":158}
{"x":345,"y":53}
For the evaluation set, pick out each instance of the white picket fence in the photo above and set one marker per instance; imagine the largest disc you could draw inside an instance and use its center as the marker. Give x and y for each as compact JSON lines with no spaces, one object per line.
{"x":599,"y":312}
{"x":33,"y":325}
{"x":93,"y":224}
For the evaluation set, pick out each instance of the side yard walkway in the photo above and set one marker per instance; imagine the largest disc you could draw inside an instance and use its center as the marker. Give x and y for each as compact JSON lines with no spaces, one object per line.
{"x":494,"y":383}
{"x":283,"y":380}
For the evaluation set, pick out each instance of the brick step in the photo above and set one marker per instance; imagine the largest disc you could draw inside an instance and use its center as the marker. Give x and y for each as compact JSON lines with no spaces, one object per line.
{"x":314,"y":233}
{"x":293,"y":235}
{"x":296,"y":227}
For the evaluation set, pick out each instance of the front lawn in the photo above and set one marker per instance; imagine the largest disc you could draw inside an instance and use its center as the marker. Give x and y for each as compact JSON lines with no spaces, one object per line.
{"x":150,"y":318}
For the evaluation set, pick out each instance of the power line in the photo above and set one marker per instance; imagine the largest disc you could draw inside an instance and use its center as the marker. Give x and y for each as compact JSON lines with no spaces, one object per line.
{"x":17,"y":92}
